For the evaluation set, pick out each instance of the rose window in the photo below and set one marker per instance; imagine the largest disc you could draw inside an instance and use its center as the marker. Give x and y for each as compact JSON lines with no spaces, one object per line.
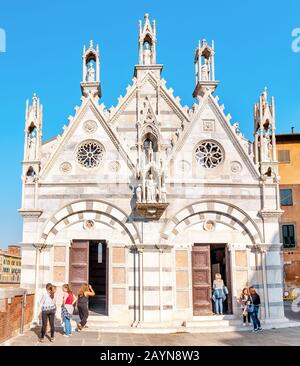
{"x":209,"y":154}
{"x":90,"y":154}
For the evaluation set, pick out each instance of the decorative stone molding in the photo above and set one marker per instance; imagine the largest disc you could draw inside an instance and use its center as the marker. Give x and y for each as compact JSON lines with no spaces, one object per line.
{"x":236,"y":167}
{"x":209,"y":225}
{"x":65,"y":167}
{"x":151,"y":210}
{"x":90,"y":126}
{"x":114,"y":166}
{"x":208,"y":125}
{"x":270,"y":215}
{"x":79,"y":211}
{"x":30,"y":213}
{"x":88,"y":224}
{"x":232,"y":216}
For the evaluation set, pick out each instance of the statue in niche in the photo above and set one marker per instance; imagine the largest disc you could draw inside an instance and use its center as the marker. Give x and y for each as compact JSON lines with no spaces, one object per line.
{"x":91,"y":73}
{"x":31,"y":146}
{"x":266,"y":148}
{"x":150,"y":152}
{"x":151,"y":189}
{"x":138,"y":192}
{"x":147,"y":53}
{"x":205,"y":70}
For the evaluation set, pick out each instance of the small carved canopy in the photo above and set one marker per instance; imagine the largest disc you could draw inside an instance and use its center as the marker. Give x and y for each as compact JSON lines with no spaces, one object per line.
{"x":147,"y":39}
{"x":90,"y":54}
{"x":150,"y":134}
{"x":204,"y":50}
{"x":264,"y":113}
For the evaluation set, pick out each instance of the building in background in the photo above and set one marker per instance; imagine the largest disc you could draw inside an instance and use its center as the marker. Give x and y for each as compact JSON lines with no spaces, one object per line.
{"x":288,"y":149}
{"x":10,"y":266}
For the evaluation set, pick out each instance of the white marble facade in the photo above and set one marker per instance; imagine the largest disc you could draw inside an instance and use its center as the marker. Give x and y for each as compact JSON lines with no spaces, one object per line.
{"x":149,"y":155}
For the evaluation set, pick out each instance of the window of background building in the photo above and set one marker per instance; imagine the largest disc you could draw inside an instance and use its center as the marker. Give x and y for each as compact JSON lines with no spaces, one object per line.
{"x":284,"y":156}
{"x":286,"y":197}
{"x":288,"y":236}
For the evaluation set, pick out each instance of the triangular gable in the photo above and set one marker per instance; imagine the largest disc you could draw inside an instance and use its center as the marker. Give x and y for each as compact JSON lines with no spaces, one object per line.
{"x":69,"y":131}
{"x":209,"y":100}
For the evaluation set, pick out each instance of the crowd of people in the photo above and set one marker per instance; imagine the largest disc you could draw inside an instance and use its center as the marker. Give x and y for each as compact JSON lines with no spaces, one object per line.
{"x":249,"y":301}
{"x":70,"y":305}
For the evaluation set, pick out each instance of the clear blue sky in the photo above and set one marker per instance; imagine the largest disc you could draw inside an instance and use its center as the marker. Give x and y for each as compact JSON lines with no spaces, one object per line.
{"x":44,"y":47}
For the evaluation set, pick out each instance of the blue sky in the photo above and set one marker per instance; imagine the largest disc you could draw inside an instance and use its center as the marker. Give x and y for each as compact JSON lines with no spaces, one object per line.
{"x":43,"y":55}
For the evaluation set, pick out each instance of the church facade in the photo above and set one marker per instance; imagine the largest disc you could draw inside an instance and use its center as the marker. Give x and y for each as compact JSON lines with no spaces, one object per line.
{"x":147,"y":200}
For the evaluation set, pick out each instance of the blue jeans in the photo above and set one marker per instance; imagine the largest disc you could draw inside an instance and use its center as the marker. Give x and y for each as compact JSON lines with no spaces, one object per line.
{"x":219,"y":306}
{"x":254,"y":317}
{"x":68,"y":328}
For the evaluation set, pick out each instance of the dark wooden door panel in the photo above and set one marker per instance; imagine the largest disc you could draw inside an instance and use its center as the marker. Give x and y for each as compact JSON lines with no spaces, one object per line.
{"x":201,"y":274}
{"x":79,"y":264}
{"x":228,"y":280}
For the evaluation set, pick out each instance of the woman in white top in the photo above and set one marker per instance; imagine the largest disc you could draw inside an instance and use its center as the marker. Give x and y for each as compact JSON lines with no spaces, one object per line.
{"x":48,"y":311}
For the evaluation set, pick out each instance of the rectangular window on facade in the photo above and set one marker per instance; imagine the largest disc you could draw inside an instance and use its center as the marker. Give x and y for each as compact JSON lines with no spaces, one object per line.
{"x":284,"y":156}
{"x":286,"y":197}
{"x":100,"y":253}
{"x":288,"y":236}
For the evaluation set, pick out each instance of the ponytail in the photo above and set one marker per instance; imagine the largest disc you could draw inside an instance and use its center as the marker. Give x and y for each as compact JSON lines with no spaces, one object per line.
{"x":51,"y":292}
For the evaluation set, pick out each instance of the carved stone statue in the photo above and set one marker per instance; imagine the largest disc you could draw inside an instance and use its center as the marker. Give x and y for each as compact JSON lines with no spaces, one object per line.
{"x":91,"y":73}
{"x":150,"y":152}
{"x":266,"y":147}
{"x":150,"y":189}
{"x":147,"y":54}
{"x":205,"y":71}
{"x":139,"y":193}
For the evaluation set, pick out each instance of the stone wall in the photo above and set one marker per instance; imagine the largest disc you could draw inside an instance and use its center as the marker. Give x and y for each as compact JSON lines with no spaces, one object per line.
{"x":11,"y":319}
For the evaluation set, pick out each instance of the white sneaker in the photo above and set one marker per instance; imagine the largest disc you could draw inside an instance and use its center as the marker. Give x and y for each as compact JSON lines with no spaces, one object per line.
{"x":244,"y":324}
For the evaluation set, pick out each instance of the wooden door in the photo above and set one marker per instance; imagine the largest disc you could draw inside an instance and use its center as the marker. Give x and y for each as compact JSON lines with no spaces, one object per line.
{"x":228,"y":280}
{"x":201,"y":280}
{"x":79,"y":264}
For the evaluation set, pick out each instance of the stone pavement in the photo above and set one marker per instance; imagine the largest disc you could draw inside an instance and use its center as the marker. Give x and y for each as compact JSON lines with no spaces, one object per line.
{"x":274,"y":337}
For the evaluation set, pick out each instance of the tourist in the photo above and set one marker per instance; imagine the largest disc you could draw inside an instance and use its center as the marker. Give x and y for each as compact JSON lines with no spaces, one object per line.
{"x":219,"y":293}
{"x":67,"y":309}
{"x":253,"y":308}
{"x":48,"y":311}
{"x":243,"y":299}
{"x":82,"y":303}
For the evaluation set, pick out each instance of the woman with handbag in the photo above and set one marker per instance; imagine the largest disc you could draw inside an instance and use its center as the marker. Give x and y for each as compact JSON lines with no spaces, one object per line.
{"x":253,"y":308}
{"x":243,"y":299}
{"x":67,"y":309}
